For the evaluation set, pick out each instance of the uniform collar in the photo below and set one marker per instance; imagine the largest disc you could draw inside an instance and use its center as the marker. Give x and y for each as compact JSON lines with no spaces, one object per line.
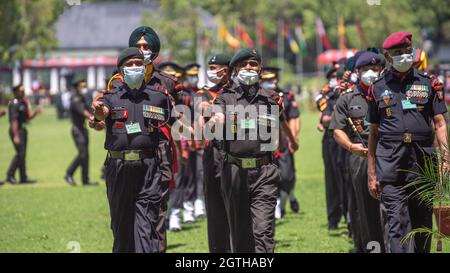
{"x":392,"y":74}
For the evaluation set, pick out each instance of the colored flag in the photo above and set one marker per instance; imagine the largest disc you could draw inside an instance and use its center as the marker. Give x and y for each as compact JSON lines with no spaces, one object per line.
{"x":322,"y":34}
{"x":362,"y":36}
{"x":293,"y":46}
{"x":262,"y":40}
{"x":225,"y":35}
{"x":244,"y":36}
{"x":300,"y":38}
{"x":341,"y":33}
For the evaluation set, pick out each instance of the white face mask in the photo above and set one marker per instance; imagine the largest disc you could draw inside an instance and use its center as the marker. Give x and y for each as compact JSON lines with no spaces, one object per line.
{"x":368,"y":77}
{"x":333,"y":82}
{"x":402,"y":62}
{"x":133,"y":76}
{"x":212,"y":76}
{"x":147,"y":57}
{"x":354,"y":78}
{"x":248,"y":77}
{"x":268,"y":85}
{"x":192,"y":80}
{"x":84,"y":90}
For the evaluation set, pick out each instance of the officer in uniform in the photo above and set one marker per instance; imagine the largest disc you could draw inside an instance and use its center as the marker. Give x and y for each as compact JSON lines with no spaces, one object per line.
{"x":133,"y":113}
{"x":79,"y":112}
{"x":20,"y":113}
{"x":404,"y":105}
{"x":217,"y":221}
{"x":249,"y":177}
{"x":193,"y":204}
{"x":351,"y":132}
{"x":325,"y":103}
{"x":285,"y":155}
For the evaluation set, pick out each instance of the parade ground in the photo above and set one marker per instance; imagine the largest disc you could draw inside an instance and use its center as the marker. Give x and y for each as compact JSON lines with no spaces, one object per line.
{"x":51,"y":216}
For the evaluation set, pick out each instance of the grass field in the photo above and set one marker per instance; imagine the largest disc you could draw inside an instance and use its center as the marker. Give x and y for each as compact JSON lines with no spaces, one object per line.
{"x":47,"y":216}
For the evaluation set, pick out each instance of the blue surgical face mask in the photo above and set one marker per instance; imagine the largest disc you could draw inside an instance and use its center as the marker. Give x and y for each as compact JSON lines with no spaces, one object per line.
{"x":134,"y":76}
{"x":268,"y":85}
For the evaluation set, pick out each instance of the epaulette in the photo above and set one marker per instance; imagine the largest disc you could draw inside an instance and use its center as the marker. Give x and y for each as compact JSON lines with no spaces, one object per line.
{"x":424,"y":74}
{"x":201,"y":91}
{"x":116,"y":76}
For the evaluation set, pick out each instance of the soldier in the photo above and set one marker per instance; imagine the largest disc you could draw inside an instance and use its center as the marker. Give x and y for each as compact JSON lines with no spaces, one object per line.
{"x":133,"y":113}
{"x":146,"y":39}
{"x":351,"y":132}
{"x":404,"y":104}
{"x":325,"y":103}
{"x":249,"y":177}
{"x":193,"y":200}
{"x":285,"y":155}
{"x":79,"y":112}
{"x":217,"y":221}
{"x":20,"y":113}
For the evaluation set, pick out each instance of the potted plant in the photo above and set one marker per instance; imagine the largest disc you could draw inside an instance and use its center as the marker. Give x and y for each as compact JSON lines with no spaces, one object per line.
{"x":432,"y":188}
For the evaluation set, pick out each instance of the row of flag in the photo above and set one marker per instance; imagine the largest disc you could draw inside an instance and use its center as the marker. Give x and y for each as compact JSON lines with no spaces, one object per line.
{"x":293,"y":35}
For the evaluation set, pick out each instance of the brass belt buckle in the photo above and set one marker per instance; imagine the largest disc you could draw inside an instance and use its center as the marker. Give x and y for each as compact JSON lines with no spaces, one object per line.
{"x":248,"y":163}
{"x":132,"y":156}
{"x":407,"y":137}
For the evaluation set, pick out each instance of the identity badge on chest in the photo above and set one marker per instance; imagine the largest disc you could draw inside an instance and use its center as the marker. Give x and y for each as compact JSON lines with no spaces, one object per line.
{"x":248,"y":123}
{"x":407,"y":105}
{"x":133,"y":128}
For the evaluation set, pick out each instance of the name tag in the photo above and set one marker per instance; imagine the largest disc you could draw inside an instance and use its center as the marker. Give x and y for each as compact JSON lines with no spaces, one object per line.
{"x":406,"y":105}
{"x":133,"y":128}
{"x":248,"y":123}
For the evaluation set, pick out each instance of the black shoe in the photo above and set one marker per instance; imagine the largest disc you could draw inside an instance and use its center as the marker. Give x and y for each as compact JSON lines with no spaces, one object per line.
{"x":12,"y":180}
{"x":283,"y":212}
{"x":1,"y":183}
{"x":69,"y":180}
{"x":90,"y":183}
{"x":295,"y":207}
{"x":28,"y":181}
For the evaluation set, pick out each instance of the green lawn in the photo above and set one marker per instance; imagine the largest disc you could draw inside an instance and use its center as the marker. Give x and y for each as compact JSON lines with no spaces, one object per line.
{"x":46,"y":216}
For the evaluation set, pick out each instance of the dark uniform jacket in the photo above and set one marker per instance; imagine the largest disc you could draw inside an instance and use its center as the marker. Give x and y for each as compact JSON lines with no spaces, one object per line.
{"x":18,"y":110}
{"x":235,"y":123}
{"x":404,"y":112}
{"x":352,"y":105}
{"x":78,"y":105}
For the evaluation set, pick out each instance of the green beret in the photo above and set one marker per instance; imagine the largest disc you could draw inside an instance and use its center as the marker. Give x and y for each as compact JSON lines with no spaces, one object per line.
{"x":220,"y":59}
{"x":128,"y":53}
{"x":245,"y":54}
{"x":330,"y":71}
{"x":150,"y":37}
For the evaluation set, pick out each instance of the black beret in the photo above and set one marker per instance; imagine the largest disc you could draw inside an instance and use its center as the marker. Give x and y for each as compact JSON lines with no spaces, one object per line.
{"x":245,"y":54}
{"x":269,"y":73}
{"x":78,"y":79}
{"x":128,"y":53}
{"x":330,"y":71}
{"x":340,"y":72}
{"x":149,"y":35}
{"x":221,"y":59}
{"x":367,"y":58}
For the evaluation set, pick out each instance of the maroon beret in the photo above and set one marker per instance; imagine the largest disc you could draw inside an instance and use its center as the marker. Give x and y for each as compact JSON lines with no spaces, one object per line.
{"x":398,"y":39}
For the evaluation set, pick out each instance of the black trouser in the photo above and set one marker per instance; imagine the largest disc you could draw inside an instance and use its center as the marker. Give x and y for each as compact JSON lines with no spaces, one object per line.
{"x":134,"y":194}
{"x":404,"y":214}
{"x":194,"y":183}
{"x":287,"y":170}
{"x":368,"y":208}
{"x":81,"y":138}
{"x":166,"y":159}
{"x":250,"y":197}
{"x":181,"y":178}
{"x":333,"y":199}
{"x":217,"y":221}
{"x":18,"y":161}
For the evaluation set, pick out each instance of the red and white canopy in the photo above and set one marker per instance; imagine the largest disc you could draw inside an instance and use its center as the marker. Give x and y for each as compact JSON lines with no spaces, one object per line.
{"x":333,"y":55}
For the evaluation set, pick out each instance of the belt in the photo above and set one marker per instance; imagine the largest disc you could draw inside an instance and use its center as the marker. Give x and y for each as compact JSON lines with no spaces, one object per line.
{"x":250,"y":163}
{"x":133,"y":155}
{"x":406,"y":137}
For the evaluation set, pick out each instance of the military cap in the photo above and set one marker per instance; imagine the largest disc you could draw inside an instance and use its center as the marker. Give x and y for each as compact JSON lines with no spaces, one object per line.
{"x":367,"y":58}
{"x":269,"y":73}
{"x":330,"y":71}
{"x":340,"y":72}
{"x":18,"y":88}
{"x":128,"y":53}
{"x":245,"y":54}
{"x":192,"y":69}
{"x":78,"y":79}
{"x":149,"y":35}
{"x":171,"y":69}
{"x":398,"y":39}
{"x":221,"y":59}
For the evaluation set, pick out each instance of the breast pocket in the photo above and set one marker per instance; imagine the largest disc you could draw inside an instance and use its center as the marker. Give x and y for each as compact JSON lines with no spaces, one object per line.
{"x":153,"y":117}
{"x":119,"y":116}
{"x":418,"y":94}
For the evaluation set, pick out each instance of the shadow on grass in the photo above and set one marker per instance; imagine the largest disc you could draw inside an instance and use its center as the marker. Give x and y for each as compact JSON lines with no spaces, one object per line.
{"x":174,"y":246}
